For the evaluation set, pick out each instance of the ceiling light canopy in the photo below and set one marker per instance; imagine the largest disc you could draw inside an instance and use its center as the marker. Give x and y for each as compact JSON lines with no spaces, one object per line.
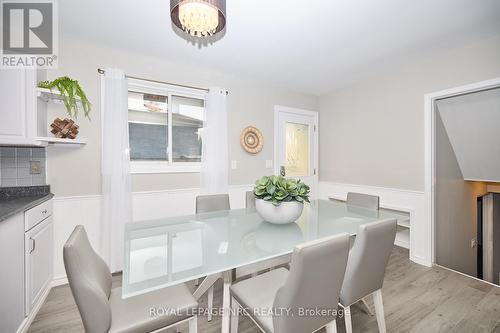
{"x":199,"y":18}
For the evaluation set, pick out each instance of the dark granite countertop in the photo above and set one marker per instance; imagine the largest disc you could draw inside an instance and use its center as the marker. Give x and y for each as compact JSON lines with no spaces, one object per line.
{"x":15,"y":200}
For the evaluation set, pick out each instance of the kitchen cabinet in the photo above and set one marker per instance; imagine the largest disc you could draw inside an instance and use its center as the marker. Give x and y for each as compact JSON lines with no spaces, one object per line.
{"x":38,"y":260}
{"x":18,"y":108}
{"x":26,"y":265}
{"x":11,"y":273}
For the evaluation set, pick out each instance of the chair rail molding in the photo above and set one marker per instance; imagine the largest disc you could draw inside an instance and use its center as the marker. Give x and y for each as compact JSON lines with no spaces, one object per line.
{"x":409,"y":201}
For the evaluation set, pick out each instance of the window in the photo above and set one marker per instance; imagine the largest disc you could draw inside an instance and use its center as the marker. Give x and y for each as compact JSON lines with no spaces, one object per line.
{"x":165,"y":127}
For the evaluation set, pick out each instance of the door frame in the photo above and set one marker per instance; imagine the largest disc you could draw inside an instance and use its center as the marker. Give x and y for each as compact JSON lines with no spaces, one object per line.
{"x":429,"y":227}
{"x":279,"y":109}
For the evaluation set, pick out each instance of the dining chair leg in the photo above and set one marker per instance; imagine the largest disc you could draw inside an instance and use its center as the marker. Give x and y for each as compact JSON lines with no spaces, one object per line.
{"x":379,"y":310}
{"x":193,"y":325}
{"x":235,"y":307}
{"x":331,"y":327}
{"x":367,"y":307}
{"x":347,"y":319}
{"x":226,"y":300}
{"x":210,"y":303}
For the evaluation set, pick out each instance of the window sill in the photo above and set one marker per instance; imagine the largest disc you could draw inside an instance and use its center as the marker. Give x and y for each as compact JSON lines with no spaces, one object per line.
{"x":163,"y":167}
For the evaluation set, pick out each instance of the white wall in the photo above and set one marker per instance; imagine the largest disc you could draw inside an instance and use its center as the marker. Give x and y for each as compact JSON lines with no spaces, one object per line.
{"x":372,"y":132}
{"x":77,"y":171}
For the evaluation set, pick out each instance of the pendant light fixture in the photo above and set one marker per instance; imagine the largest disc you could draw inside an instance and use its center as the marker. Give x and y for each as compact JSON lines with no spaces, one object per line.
{"x":199,"y":18}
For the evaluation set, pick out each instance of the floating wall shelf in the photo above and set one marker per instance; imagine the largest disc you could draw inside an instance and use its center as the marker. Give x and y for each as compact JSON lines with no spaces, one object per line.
{"x":54,"y":95}
{"x":47,"y":95}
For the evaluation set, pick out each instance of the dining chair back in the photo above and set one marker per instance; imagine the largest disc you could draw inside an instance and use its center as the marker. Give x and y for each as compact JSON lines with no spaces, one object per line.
{"x":314,"y":282}
{"x":212,"y":203}
{"x":250,"y":200}
{"x":90,"y":281}
{"x":366,"y":266}
{"x":103,"y":309}
{"x":207,"y":204}
{"x":363,"y":200}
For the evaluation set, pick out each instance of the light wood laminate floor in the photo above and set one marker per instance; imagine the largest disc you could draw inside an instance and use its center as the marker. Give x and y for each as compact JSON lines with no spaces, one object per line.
{"x":416,"y":299}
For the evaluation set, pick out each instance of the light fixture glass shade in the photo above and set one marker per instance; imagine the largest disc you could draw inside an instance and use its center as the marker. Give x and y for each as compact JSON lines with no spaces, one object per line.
{"x":200,"y":18}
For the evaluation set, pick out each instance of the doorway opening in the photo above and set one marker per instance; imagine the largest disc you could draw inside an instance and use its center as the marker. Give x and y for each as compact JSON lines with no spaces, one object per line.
{"x":465,"y":171}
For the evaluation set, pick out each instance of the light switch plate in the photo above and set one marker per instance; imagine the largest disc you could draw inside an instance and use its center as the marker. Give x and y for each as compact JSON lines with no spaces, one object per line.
{"x":269,"y":164}
{"x":35,"y":167}
{"x":234,"y":164}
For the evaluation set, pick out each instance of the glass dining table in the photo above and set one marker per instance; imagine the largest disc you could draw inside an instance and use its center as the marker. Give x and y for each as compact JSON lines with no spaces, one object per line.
{"x":165,"y":252}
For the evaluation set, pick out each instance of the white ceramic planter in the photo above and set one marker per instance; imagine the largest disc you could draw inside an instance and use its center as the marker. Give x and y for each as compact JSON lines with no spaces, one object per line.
{"x":287,"y":212}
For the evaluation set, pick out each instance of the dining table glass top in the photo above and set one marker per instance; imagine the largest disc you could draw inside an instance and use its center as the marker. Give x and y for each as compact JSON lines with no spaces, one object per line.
{"x":165,"y":252}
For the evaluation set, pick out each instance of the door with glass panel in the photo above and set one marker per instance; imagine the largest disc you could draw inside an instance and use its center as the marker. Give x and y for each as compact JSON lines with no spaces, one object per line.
{"x":296,"y":145}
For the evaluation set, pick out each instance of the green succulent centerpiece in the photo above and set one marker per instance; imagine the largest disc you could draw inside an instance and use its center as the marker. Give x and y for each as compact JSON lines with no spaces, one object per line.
{"x":278,"y":189}
{"x":280,"y":200}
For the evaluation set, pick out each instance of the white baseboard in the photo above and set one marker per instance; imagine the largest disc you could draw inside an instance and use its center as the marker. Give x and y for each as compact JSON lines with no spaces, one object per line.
{"x":26,"y":323}
{"x":59,"y":281}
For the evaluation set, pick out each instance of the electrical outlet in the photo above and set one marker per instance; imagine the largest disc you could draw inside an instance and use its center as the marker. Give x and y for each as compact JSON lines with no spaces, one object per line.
{"x":35,"y":167}
{"x":234,"y":164}
{"x":472,"y":243}
{"x":269,"y":164}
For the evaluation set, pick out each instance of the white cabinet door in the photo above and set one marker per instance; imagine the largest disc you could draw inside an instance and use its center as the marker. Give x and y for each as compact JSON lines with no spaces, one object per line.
{"x":39,"y":261}
{"x":17,"y":115}
{"x":11,"y":273}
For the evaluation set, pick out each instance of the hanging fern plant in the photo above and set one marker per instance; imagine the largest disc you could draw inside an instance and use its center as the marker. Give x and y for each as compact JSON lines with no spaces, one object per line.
{"x":70,"y":91}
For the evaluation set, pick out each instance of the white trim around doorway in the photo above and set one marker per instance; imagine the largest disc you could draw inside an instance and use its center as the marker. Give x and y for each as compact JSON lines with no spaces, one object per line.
{"x":430,"y":158}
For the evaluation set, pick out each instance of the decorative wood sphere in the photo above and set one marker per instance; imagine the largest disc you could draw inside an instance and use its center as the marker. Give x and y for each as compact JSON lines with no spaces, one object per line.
{"x":251,"y":140}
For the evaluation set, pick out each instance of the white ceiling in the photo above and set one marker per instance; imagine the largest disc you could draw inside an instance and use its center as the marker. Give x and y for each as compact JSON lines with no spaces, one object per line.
{"x":472,"y":124}
{"x":312,"y":46}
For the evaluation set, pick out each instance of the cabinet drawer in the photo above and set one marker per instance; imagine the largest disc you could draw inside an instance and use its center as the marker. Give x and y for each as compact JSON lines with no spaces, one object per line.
{"x":37,"y":214}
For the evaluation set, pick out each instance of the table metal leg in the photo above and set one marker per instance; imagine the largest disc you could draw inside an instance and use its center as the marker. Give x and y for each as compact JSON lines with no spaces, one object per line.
{"x":226,"y":301}
{"x":205,"y":285}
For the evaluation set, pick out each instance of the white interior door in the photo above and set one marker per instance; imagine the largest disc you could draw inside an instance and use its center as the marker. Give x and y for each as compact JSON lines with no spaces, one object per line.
{"x":296,"y":145}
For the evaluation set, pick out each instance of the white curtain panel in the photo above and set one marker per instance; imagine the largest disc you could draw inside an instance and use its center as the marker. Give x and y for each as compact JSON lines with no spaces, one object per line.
{"x":214,"y":164}
{"x":115,"y":169}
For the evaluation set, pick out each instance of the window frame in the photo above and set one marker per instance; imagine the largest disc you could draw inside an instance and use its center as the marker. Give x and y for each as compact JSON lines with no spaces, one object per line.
{"x":153,"y":87}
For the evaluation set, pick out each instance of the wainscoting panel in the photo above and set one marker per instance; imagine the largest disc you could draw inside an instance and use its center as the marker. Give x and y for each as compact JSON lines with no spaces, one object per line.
{"x":68,"y":213}
{"x":397,"y":199}
{"x":85,"y":210}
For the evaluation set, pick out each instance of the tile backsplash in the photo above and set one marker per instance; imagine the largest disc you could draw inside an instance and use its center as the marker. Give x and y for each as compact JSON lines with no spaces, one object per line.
{"x":22,"y":166}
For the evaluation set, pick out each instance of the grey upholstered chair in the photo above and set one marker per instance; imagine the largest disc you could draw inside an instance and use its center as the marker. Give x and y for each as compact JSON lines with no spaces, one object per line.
{"x":208,"y":204}
{"x":366,"y":268}
{"x":249,"y":200}
{"x":212,"y":203}
{"x":363,"y":200}
{"x":103,"y":310}
{"x":314,"y":281}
